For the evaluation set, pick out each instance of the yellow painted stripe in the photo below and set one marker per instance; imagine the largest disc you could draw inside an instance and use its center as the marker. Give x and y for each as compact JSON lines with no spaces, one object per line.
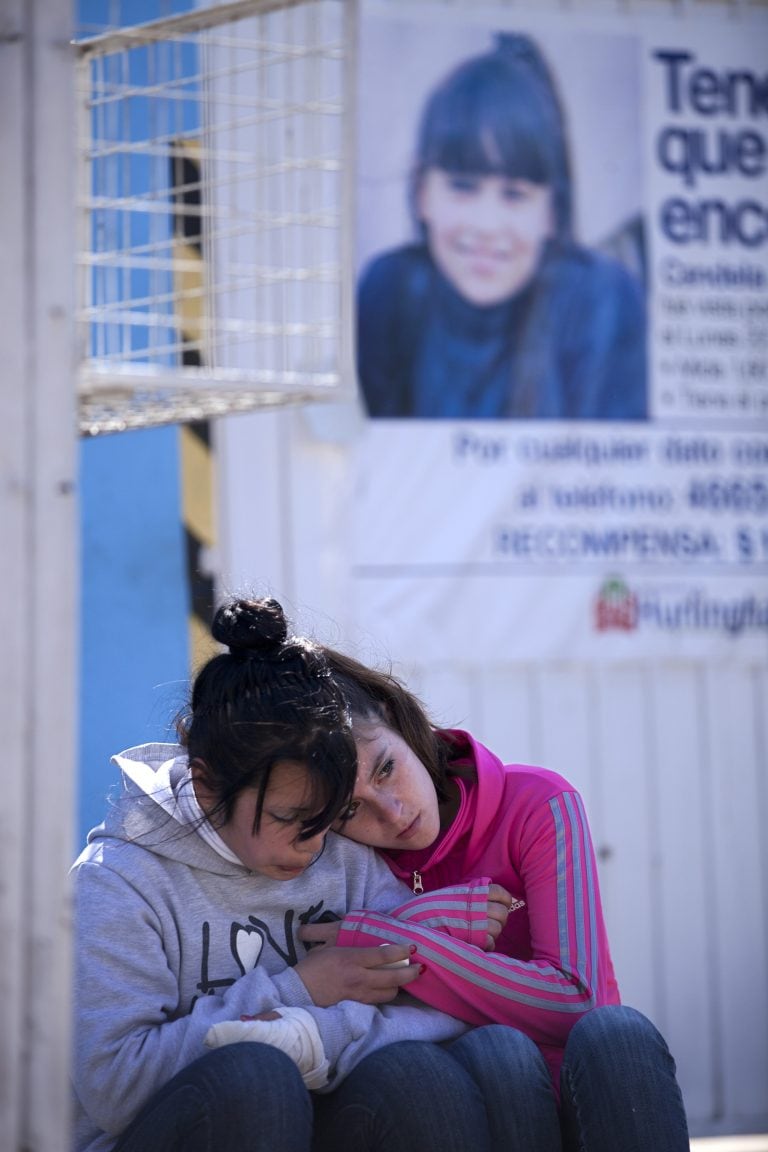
{"x":197,"y":488}
{"x":197,"y":464}
{"x":188,"y":290}
{"x":202,"y":646}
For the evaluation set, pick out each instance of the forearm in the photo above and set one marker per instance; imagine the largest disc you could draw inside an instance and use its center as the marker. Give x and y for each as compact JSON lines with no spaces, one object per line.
{"x":352,"y":1031}
{"x":124,"y":1053}
{"x":480,"y":987}
{"x":460,"y":911}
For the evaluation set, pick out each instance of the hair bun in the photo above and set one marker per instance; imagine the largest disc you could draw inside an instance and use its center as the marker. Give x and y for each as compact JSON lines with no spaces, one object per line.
{"x":251,"y":625}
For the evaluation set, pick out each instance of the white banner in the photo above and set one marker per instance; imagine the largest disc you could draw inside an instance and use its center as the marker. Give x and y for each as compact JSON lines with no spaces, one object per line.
{"x":562,"y":346}
{"x":525,"y":542}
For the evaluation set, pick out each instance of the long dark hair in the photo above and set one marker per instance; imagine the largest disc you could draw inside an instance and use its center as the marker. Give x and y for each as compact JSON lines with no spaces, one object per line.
{"x":499,"y":114}
{"x":379,"y":697}
{"x":269,"y":698}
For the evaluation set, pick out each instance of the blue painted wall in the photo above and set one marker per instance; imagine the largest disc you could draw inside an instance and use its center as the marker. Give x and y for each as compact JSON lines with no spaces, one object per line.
{"x":134,"y":602}
{"x":95,"y":16}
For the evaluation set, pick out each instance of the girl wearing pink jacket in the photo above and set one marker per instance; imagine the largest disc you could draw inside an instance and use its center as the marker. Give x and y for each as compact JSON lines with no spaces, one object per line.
{"x":574,"y":1068}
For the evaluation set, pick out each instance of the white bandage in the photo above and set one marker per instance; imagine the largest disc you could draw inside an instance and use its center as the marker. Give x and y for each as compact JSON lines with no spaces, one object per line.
{"x":294,"y":1033}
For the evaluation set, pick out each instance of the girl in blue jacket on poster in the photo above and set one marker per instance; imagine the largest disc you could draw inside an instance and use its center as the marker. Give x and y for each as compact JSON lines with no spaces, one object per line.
{"x":495,"y":312}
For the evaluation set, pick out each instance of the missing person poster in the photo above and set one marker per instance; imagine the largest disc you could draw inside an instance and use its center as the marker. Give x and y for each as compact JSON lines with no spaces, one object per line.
{"x":562,"y":332}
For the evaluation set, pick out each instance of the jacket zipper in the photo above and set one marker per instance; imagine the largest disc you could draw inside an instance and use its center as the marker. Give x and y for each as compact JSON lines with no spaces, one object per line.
{"x":417,"y":884}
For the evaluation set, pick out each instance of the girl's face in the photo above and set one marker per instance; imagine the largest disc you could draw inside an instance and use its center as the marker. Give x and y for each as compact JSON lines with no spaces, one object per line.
{"x":274,"y":850}
{"x":394,"y":804}
{"x":485,"y":233}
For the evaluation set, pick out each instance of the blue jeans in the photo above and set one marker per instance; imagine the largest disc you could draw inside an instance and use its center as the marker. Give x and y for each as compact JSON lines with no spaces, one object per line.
{"x":237,"y":1098}
{"x":618,"y":1086}
{"x":411,"y":1096}
{"x":488,"y":1091}
{"x":516,"y":1087}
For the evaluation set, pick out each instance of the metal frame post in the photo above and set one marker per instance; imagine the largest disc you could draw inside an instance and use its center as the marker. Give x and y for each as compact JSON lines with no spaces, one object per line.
{"x":38,"y":670}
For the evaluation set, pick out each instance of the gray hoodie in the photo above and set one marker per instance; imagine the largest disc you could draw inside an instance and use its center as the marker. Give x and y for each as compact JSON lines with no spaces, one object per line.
{"x":172,"y":938}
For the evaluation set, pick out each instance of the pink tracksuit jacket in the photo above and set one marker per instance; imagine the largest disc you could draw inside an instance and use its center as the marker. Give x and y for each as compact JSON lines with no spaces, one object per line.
{"x":524,"y":828}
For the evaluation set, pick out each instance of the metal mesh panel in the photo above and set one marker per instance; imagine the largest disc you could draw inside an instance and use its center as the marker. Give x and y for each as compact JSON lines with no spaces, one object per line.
{"x":213,"y":197}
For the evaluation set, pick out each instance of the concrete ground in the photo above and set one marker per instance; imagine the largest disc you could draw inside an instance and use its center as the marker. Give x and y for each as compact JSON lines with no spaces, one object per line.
{"x":730,"y":1144}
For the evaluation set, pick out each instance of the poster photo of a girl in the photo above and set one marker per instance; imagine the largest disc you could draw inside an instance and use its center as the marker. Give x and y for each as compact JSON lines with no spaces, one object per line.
{"x":501,"y":259}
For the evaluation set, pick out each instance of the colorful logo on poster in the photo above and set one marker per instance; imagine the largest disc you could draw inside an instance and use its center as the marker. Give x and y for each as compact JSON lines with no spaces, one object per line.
{"x":616,"y":607}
